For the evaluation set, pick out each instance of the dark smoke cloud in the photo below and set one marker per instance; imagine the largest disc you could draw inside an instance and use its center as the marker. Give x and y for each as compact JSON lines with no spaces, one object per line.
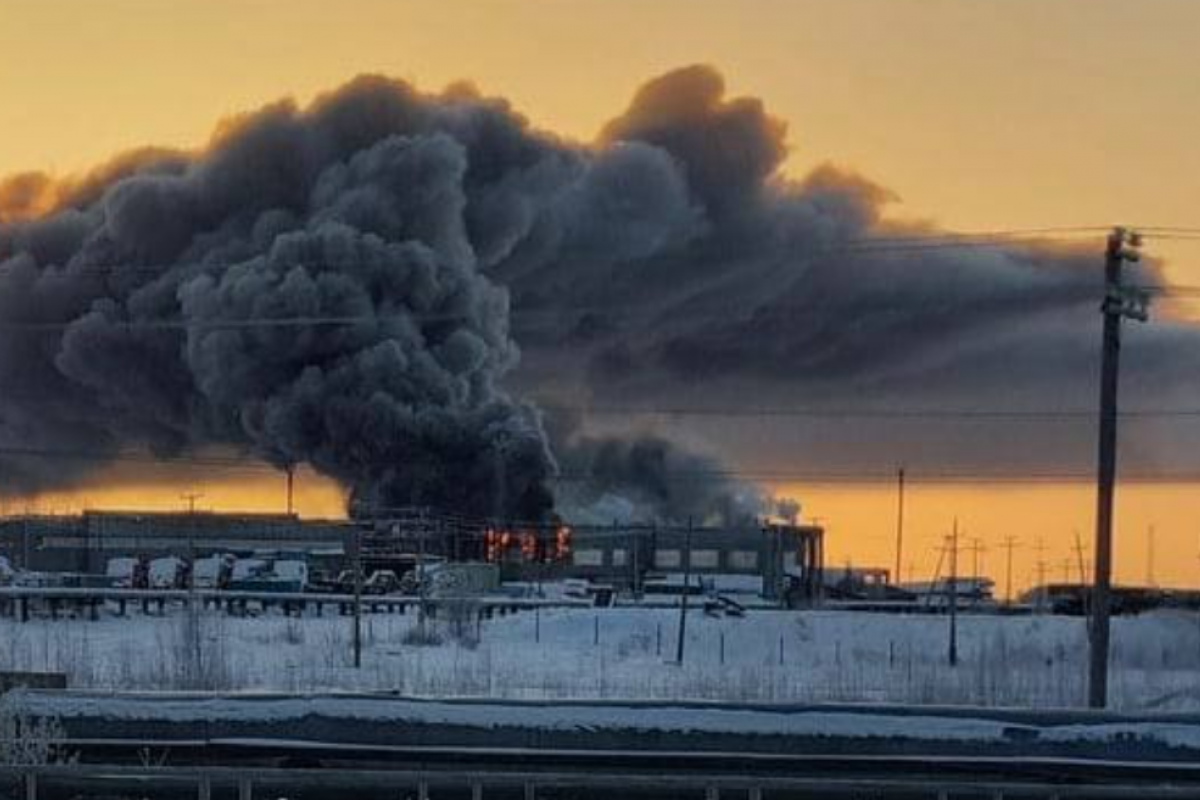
{"x":353,"y":208}
{"x":773,"y":301}
{"x":637,"y":476}
{"x":668,"y":263}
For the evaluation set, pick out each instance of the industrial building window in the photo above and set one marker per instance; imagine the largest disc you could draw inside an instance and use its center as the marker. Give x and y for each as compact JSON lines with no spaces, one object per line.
{"x":743,"y":559}
{"x":705,"y":559}
{"x":666,"y":559}
{"x":588,"y":558}
{"x":618,"y":557}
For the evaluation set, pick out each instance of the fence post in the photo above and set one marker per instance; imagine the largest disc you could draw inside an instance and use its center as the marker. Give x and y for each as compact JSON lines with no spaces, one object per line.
{"x":596,"y":630}
{"x":722,"y":648}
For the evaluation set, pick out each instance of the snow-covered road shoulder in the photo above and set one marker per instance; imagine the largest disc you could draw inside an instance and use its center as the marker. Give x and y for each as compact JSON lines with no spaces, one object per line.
{"x":388,"y":720}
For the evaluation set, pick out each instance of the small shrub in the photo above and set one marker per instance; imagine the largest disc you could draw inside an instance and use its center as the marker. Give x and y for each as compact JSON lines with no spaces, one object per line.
{"x":28,"y":741}
{"x":461,"y":621}
{"x":421,"y":636}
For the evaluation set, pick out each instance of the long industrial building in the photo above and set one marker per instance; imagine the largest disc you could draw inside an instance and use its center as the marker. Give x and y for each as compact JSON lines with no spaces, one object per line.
{"x":784,"y":557}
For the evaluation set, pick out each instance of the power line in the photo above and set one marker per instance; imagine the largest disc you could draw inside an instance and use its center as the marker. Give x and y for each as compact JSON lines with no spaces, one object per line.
{"x":883,"y":243}
{"x":1173,"y":237}
{"x":516,"y":315}
{"x":967,"y":414}
{"x":919,"y":414}
{"x":1153,"y":229}
{"x":1057,"y":230}
{"x":947,"y":240}
{"x":765,"y":475}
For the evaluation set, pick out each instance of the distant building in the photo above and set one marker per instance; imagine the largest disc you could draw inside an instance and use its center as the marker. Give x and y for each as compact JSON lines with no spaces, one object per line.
{"x":85,"y":542}
{"x":786,"y":560}
{"x":861,"y":583}
{"x":968,"y":591}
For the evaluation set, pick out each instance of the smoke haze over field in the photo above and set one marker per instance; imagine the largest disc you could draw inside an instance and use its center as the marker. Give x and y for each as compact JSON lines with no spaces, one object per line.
{"x":668,"y":263}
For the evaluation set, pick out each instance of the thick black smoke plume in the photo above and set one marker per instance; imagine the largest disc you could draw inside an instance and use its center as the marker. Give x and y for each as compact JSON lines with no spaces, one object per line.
{"x":351,"y":209}
{"x":639,"y":476}
{"x":668,"y":263}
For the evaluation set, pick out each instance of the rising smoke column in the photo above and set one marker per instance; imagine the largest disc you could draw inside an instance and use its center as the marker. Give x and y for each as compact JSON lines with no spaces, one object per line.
{"x":669,"y":263}
{"x":352,"y":209}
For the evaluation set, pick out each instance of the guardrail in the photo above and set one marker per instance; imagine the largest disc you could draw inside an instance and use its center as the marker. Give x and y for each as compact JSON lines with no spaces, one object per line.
{"x":201,"y":782}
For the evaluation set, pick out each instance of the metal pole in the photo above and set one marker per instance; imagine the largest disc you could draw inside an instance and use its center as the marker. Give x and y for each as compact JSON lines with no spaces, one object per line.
{"x":1106,"y":472}
{"x":683,"y":601}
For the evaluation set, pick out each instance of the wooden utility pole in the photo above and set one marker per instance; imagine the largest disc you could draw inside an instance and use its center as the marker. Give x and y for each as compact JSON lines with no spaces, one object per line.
{"x":1119,"y":303}
{"x":421,"y":612}
{"x":291,"y":488}
{"x":1040,"y":597}
{"x":899,"y":525}
{"x":1083,"y":575}
{"x":192,"y":618}
{"x":191,"y":498}
{"x":954,"y":595}
{"x":683,"y":601}
{"x":356,"y":545}
{"x":978,"y":549}
{"x":1150,"y":579}
{"x":932,"y":592}
{"x":1010,"y":544}
{"x":26,"y":548}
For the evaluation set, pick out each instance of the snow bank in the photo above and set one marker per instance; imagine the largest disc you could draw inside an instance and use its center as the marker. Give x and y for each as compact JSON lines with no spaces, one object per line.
{"x":655,"y":725}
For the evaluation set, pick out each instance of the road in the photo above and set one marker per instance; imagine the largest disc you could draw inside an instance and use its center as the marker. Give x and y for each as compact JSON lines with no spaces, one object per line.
{"x":366,"y":744}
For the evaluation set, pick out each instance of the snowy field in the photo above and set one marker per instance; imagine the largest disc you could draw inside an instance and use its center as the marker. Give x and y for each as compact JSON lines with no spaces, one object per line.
{"x":769,"y":656}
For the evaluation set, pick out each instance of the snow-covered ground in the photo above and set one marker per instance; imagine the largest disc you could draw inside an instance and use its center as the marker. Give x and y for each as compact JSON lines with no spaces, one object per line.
{"x":626,"y":653}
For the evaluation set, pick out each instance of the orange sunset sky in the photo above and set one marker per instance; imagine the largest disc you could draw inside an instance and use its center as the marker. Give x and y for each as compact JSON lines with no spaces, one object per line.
{"x":979,"y":114}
